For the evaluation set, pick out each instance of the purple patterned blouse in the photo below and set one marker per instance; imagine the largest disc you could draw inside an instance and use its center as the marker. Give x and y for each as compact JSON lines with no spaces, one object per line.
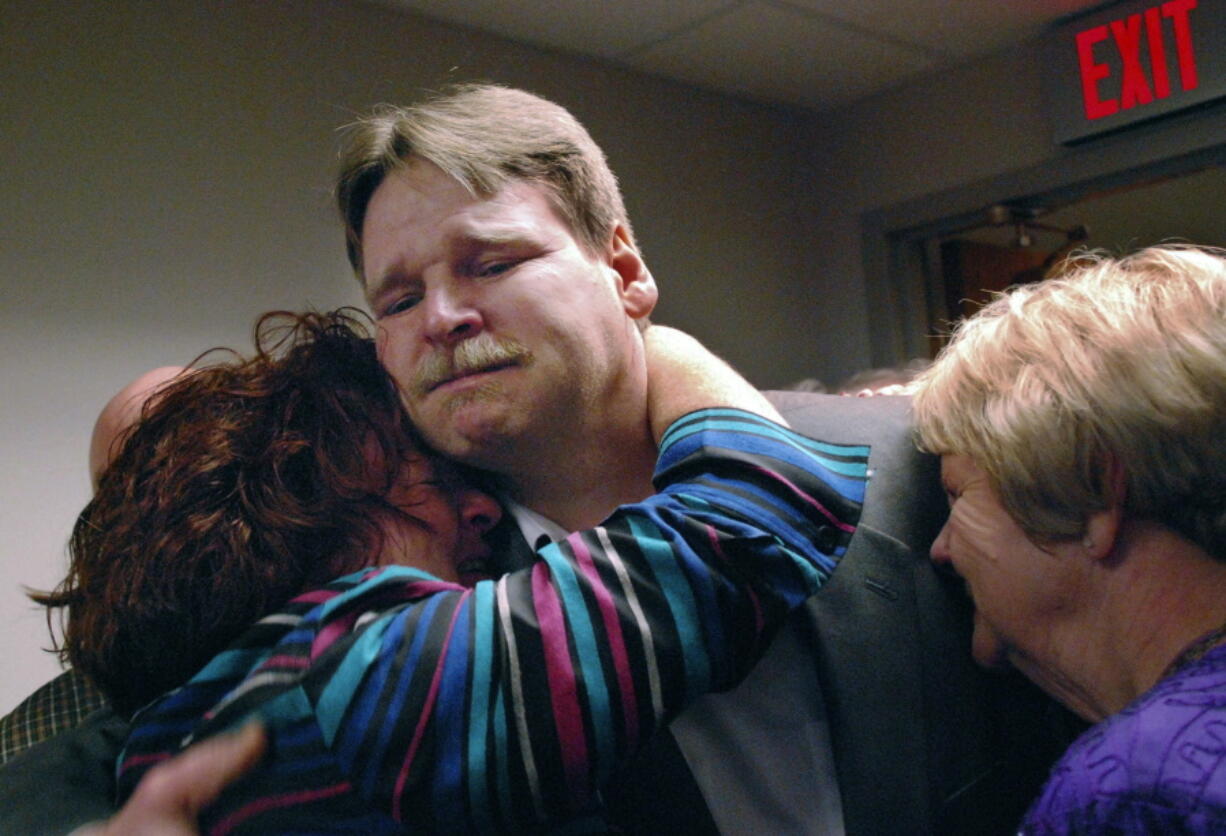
{"x":1158,"y":766}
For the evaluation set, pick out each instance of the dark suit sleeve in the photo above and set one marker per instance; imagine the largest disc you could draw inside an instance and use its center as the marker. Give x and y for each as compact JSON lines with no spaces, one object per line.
{"x":65,"y":782}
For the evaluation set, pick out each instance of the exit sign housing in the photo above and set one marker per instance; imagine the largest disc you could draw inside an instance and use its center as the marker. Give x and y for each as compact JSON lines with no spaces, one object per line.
{"x":1133,"y":62}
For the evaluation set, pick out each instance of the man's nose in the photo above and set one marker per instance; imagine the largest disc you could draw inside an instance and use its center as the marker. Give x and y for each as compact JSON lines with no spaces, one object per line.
{"x":450,"y":317}
{"x":479,"y":511}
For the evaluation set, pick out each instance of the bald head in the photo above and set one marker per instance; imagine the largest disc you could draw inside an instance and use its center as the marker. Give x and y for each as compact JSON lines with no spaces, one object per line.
{"x":120,"y":413}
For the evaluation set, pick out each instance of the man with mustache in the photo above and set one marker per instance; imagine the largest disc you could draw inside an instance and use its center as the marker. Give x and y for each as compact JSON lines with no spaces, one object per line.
{"x":496,"y":255}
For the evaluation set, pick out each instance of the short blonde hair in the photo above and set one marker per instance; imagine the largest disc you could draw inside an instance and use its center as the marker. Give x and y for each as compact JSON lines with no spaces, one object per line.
{"x":1118,"y":362}
{"x":484,"y":136}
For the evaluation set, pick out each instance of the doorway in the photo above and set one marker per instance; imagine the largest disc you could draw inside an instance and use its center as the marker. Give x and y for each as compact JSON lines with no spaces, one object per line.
{"x":1013,"y":244}
{"x":1159,"y":183}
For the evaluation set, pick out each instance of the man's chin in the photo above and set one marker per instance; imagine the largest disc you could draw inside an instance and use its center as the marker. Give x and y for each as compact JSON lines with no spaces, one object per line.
{"x":469,"y":427}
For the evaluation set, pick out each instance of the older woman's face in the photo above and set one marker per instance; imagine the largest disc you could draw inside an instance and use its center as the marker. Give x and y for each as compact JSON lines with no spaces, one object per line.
{"x":448,"y":518}
{"x":1019,"y":589}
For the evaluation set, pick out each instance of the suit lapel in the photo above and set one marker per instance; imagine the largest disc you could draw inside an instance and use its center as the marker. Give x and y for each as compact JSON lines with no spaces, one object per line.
{"x":873,"y":698}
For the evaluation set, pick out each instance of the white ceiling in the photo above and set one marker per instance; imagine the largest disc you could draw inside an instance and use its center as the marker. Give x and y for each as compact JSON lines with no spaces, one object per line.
{"x":812,"y":53}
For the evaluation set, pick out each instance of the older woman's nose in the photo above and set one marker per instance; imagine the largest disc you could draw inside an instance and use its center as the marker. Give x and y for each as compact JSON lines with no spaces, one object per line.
{"x":478,"y":510}
{"x":939,"y":552}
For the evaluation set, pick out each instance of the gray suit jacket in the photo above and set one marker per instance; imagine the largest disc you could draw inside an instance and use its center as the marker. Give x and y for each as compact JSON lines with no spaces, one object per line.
{"x":923,"y":740}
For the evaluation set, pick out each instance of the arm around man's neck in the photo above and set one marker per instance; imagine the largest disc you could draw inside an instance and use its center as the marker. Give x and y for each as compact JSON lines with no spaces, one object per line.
{"x":683,"y":376}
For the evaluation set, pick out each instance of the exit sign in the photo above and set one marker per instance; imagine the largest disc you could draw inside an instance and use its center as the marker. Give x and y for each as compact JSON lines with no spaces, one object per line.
{"x":1133,"y":62}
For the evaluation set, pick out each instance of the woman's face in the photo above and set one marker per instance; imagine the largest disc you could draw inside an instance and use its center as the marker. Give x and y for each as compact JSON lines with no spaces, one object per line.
{"x":442,"y":533}
{"x":1020,"y":590}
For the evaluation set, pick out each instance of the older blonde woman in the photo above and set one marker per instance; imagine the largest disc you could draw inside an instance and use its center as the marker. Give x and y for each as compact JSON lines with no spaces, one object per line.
{"x":1080,"y":424}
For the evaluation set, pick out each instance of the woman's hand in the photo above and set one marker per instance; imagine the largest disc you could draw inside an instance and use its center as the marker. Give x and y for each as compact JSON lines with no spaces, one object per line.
{"x":682,"y":376}
{"x":169,"y":799}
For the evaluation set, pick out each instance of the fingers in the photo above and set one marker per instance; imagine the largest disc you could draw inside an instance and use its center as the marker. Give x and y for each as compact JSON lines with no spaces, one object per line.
{"x":168,"y":800}
{"x":199,"y":775}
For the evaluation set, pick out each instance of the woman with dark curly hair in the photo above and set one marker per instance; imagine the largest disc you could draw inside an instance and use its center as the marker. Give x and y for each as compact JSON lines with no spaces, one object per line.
{"x":273,"y":539}
{"x":244,"y":483}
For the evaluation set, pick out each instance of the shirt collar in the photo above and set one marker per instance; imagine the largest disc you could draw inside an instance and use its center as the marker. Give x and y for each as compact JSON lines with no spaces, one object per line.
{"x":534,"y":526}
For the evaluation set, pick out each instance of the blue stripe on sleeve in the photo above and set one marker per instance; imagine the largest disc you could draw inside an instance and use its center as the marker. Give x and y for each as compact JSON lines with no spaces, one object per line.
{"x":792,"y":530}
{"x":396,"y":696}
{"x":231,"y":663}
{"x":347,"y":679}
{"x":365,"y":703}
{"x":479,"y":702}
{"x":575,"y":611}
{"x":847,"y":477}
{"x":449,"y":720}
{"x":749,"y":423}
{"x":502,"y":742}
{"x":680,"y":598}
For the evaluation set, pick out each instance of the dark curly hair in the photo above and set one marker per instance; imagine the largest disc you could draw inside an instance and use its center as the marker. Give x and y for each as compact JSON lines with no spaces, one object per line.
{"x":244,"y":483}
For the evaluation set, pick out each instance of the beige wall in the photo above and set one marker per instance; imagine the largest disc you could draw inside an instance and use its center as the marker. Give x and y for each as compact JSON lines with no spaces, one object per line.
{"x":167,"y":178}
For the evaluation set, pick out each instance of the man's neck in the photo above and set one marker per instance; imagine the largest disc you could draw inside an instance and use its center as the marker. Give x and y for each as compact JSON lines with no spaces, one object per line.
{"x":587,"y":481}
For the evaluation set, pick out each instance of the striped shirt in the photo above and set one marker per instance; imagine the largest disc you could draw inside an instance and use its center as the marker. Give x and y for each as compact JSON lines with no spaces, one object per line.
{"x":399,"y":702}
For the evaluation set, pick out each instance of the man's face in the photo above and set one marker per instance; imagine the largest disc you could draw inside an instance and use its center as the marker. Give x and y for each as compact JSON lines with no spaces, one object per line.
{"x":499,"y":327}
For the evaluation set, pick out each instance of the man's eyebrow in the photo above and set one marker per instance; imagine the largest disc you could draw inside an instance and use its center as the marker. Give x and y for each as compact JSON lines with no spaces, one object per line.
{"x":491,"y":235}
{"x":373,"y":289}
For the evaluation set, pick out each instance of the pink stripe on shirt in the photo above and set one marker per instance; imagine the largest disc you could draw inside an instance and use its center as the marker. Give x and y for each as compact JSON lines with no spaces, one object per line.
{"x":273,"y":802}
{"x":809,"y":500}
{"x":563,"y":687}
{"x":613,"y":633}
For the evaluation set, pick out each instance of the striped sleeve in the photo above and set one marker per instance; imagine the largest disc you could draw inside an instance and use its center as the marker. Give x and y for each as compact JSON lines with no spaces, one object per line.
{"x":496,"y":707}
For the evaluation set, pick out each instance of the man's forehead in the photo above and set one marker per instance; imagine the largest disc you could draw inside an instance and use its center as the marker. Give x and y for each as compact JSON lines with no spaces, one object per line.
{"x":422,"y":197}
{"x":501,"y":217}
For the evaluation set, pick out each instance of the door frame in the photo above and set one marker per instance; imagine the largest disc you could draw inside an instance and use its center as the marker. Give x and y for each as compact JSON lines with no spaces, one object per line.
{"x":892,"y":237}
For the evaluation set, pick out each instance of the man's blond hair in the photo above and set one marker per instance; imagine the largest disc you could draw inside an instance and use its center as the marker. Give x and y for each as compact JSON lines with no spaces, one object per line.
{"x":484,"y":136}
{"x":1117,"y":367}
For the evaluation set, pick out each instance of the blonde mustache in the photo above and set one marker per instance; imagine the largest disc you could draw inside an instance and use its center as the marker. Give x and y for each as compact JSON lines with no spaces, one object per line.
{"x":469,"y":356}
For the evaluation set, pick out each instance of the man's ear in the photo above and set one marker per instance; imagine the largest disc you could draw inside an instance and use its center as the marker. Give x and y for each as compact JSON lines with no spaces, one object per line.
{"x":635,"y":285}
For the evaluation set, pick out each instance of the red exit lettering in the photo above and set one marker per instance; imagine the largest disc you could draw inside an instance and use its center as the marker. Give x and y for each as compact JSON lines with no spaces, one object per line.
{"x":1136,"y":86}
